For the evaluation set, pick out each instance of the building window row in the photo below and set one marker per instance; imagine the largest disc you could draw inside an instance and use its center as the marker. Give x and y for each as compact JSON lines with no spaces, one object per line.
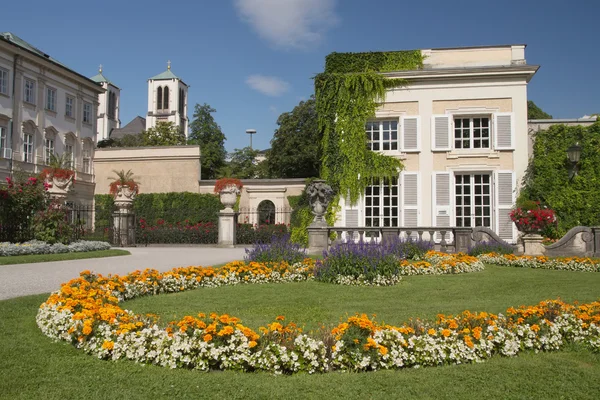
{"x":162,"y":98}
{"x":50,"y":99}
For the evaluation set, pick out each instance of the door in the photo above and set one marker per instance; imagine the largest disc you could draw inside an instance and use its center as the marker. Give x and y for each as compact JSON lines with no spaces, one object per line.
{"x":473,"y":200}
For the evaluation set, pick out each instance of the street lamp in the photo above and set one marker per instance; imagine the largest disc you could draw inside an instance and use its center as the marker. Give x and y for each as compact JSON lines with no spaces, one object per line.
{"x":251,"y":132}
{"x":574,"y":155}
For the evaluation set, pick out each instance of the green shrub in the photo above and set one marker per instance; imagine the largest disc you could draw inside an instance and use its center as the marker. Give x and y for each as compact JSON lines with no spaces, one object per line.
{"x":52,"y":226}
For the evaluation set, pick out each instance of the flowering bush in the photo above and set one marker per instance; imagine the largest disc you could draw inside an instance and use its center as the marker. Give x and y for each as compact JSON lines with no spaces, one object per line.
{"x":532,"y":219}
{"x":180,"y":232}
{"x":279,"y":249}
{"x":410,"y":249}
{"x":249,"y":234}
{"x":543,"y":262}
{"x":490,"y":247}
{"x":20,"y":199}
{"x":52,"y":225}
{"x":222,"y":183}
{"x":39,"y":247}
{"x":86,"y":313}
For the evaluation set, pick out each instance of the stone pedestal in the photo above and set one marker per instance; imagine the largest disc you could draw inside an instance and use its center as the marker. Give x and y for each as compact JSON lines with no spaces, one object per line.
{"x":123,"y":217}
{"x":227,"y":226}
{"x":532,"y":245}
{"x":462,"y":240}
{"x":318,"y":238}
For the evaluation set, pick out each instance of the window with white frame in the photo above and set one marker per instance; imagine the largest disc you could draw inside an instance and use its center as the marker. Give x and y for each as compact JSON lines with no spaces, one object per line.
{"x":3,"y":142}
{"x":87,"y":113}
{"x":472,"y":132}
{"x":48,"y":149}
{"x":70,"y":154}
{"x":473,"y":200}
{"x":50,"y":99}
{"x":3,"y":81}
{"x":28,"y":148}
{"x":382,"y":135}
{"x":69,"y":106}
{"x":382,"y":204}
{"x":87,"y":159}
{"x":29,"y":94}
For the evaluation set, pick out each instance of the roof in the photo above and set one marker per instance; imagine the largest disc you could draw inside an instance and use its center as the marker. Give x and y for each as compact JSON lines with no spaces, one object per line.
{"x":165,"y":75}
{"x":100,"y":78}
{"x":134,"y":127}
{"x":17,"y":41}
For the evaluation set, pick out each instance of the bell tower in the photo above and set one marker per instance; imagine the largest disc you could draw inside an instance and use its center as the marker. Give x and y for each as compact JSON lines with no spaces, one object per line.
{"x":167,"y":100}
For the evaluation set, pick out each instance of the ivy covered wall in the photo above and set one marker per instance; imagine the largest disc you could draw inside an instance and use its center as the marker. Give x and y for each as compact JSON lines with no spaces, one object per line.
{"x":347,"y":95}
{"x":575,"y":201}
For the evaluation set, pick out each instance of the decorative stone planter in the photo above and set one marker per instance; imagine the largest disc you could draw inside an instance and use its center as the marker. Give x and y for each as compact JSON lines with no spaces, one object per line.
{"x":532,"y":244}
{"x":59,"y":187}
{"x":228,"y":197}
{"x":124,"y":198}
{"x":319,"y":196}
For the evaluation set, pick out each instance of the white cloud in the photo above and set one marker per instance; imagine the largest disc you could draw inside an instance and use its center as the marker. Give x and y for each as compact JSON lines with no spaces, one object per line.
{"x":273,"y":109}
{"x":289,"y":24}
{"x":269,"y":85}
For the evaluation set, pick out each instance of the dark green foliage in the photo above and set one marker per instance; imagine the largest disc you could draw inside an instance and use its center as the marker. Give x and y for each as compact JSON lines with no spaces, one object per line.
{"x":52,"y":226}
{"x":104,"y":204}
{"x":347,"y":95}
{"x":490,"y":247}
{"x":575,"y":201}
{"x":204,"y":131}
{"x":387,"y":61}
{"x":242,"y":164}
{"x":296,"y":145}
{"x":534,"y":112}
{"x":177,"y":207}
{"x":125,"y":141}
{"x":163,"y":134}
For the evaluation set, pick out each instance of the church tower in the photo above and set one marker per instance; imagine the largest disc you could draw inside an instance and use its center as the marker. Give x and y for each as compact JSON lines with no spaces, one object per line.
{"x":167,"y":100}
{"x":108,"y":106}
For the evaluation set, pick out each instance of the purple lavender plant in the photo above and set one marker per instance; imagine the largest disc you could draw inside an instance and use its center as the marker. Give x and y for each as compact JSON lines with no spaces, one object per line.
{"x":408,"y":249}
{"x":490,"y":247}
{"x":280,"y":248}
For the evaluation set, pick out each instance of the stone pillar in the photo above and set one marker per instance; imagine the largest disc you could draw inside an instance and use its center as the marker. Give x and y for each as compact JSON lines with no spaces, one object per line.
{"x":462,"y":240}
{"x":318,"y":239}
{"x":124,"y":218}
{"x":319,"y":195}
{"x":596,"y":239}
{"x":532,"y":244}
{"x":227,"y":227}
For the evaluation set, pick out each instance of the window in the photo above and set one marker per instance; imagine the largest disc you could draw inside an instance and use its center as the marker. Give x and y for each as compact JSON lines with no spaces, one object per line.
{"x":50,"y":99}
{"x":69,"y":102}
{"x":87,"y":113}
{"x":473,"y":200}
{"x":166,"y":99}
{"x":382,"y":135}
{"x":472,"y":133}
{"x":112,"y":105}
{"x":181,"y":100}
{"x":28,"y":148}
{"x":87,"y":159}
{"x":159,"y":98}
{"x":3,"y":81}
{"x":382,"y":204}
{"x":48,"y":150}
{"x":70,"y":154}
{"x":2,"y":140}
{"x":29,"y":95}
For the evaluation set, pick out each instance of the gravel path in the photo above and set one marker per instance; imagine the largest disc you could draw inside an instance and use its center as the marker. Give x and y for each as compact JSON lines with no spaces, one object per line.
{"x":25,"y":279}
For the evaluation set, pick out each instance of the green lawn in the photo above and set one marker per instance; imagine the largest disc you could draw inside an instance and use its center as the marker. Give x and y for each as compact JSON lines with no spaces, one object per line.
{"x":32,"y":366}
{"x":38,"y":258}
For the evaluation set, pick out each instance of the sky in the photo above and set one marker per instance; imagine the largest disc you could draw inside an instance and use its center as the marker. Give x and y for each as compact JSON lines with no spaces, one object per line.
{"x":252,"y":60}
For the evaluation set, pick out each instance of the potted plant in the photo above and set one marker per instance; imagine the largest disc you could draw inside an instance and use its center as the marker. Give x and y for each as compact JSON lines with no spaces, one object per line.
{"x":123,"y":187}
{"x":228,"y":190}
{"x":531,"y":218}
{"x":59,"y":174}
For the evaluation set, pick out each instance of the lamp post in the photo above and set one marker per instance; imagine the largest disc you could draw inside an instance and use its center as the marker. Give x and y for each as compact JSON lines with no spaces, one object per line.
{"x":251,"y":132}
{"x":574,"y":155}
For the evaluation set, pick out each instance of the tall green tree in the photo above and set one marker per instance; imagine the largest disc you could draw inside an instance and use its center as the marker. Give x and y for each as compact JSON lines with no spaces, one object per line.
{"x":296,"y":145}
{"x":242,"y":164}
{"x":163,"y":134}
{"x":207,"y":133}
{"x":534,"y":112}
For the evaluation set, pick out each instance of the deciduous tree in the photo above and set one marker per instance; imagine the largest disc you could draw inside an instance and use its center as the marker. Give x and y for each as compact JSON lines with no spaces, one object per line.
{"x":207,"y":133}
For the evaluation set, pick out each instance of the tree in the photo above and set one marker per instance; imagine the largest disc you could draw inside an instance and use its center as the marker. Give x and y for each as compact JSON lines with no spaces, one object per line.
{"x":163,"y":134}
{"x":207,"y":133}
{"x":534,"y":112}
{"x":296,"y":145}
{"x":242,"y":164}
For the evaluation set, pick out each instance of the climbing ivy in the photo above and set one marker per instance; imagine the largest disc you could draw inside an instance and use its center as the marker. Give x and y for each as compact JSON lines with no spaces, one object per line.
{"x":575,"y":201}
{"x":347,"y":95}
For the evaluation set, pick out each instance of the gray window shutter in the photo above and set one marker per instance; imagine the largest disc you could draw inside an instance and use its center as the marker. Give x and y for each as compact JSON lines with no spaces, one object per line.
{"x":410,"y":200}
{"x":440,"y":129}
{"x":411,"y":137}
{"x":442,"y":190}
{"x":351,"y":215}
{"x":505,"y":197}
{"x":504,"y":132}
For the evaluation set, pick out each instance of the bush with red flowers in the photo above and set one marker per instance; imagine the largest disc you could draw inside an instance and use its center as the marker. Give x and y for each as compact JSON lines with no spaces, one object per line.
{"x":532,"y":218}
{"x":225,"y":182}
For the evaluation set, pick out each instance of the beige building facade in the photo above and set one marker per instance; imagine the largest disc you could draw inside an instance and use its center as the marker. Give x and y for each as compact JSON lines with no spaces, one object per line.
{"x":157,"y":169}
{"x":460,"y":128}
{"x":45,"y":108}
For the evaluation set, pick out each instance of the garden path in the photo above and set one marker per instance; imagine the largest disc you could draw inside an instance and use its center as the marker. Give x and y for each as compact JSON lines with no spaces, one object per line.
{"x":26,"y":279}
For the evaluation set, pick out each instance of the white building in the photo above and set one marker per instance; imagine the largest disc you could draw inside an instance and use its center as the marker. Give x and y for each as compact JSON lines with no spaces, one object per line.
{"x":45,"y":108}
{"x":108,"y":106}
{"x":167,"y":100}
{"x":460,"y":128}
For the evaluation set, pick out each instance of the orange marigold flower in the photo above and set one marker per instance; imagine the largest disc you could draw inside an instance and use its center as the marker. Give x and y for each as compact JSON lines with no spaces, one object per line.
{"x":431,"y":331}
{"x":207,"y":337}
{"x":535,"y":327}
{"x":453,"y":324}
{"x":108,"y":345}
{"x":252,"y":344}
{"x":446,"y":332}
{"x":383,"y":350}
{"x":280,"y":318}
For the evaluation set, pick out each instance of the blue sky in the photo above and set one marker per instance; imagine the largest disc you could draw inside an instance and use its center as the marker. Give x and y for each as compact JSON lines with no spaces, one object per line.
{"x":254,"y":59}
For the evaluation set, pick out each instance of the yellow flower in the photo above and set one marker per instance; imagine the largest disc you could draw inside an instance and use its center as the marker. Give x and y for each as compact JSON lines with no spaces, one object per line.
{"x":252,"y":344}
{"x":207,"y":337}
{"x":446,"y":332}
{"x":108,"y":345}
{"x":431,"y":331}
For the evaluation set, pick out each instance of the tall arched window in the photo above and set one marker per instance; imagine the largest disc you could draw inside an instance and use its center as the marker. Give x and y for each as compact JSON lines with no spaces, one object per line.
{"x":159,"y":98}
{"x":166,"y":102}
{"x":181,"y":100}
{"x":266,"y":212}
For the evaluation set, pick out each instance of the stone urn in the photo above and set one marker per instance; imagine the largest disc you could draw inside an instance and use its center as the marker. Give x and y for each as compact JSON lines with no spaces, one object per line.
{"x":58,"y":188}
{"x":319,"y":196}
{"x":124,"y":198}
{"x":228,"y":196}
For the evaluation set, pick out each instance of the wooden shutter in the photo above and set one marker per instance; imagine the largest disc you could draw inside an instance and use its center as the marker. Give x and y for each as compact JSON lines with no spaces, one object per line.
{"x":442,"y":201}
{"x":505,"y":198}
{"x":352,"y":215}
{"x":504,"y":131}
{"x":410,"y":200}
{"x":440,"y":133}
{"x":411,"y":134}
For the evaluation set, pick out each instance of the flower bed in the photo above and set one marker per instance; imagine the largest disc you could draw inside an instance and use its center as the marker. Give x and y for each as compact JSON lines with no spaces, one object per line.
{"x":39,"y":247}
{"x":86,"y":313}
{"x":559,"y":263}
